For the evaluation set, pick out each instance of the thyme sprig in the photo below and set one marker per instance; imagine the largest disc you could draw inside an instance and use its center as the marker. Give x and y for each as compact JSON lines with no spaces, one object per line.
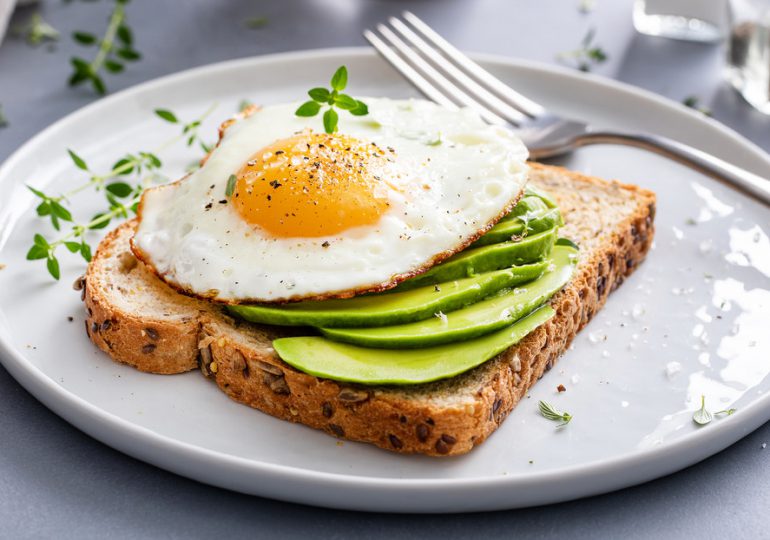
{"x":122,"y":186}
{"x":334,"y":99}
{"x":587,"y":55}
{"x":548,"y":411}
{"x":113,"y":49}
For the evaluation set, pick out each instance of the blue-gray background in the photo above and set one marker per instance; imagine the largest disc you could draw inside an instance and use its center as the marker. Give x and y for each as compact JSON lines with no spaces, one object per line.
{"x":56,"y":482}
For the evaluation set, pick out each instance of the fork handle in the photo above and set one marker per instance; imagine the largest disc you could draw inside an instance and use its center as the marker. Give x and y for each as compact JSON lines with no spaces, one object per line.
{"x":687,"y":155}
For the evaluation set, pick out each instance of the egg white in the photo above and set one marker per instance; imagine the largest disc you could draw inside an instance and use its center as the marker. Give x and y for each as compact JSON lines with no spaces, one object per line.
{"x":457,"y":174}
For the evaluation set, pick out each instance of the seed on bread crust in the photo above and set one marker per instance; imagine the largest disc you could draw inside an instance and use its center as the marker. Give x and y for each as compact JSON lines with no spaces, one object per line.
{"x":269,"y":368}
{"x":395,"y":441}
{"x":327,"y":410}
{"x":423,"y":432}
{"x":151,"y":333}
{"x":148,"y":348}
{"x":352,"y":395}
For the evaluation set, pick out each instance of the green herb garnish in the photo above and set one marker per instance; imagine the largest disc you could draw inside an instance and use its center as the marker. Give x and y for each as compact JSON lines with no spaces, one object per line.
{"x":36,"y":31}
{"x":189,"y":130}
{"x":587,"y":54}
{"x":114,"y":49}
{"x":230,"y":186}
{"x":122,"y":185}
{"x":244,"y":104}
{"x":333,"y":98}
{"x":547,"y":410}
{"x":702,"y":416}
{"x":257,"y":22}
{"x":693,"y":103}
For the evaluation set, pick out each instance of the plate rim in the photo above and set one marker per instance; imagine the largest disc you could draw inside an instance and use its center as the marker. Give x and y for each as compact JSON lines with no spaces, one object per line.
{"x":117,"y":432}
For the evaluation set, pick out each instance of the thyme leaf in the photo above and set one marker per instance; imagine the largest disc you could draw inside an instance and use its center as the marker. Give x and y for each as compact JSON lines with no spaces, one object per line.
{"x":548,"y":411}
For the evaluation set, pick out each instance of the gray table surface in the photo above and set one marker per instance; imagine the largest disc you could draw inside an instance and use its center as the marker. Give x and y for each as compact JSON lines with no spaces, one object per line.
{"x":57,"y":482}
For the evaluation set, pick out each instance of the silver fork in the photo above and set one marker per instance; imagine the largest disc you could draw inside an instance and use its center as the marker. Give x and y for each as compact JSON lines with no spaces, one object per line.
{"x":450,"y":78}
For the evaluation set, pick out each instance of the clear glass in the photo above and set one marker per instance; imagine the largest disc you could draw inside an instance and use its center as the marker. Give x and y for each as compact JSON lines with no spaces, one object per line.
{"x":690,"y":20}
{"x":749,"y":52}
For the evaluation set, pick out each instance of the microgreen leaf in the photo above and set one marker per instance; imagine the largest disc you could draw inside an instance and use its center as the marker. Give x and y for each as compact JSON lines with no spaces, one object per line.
{"x":85,"y":251}
{"x":340,"y":79}
{"x":123,"y":166}
{"x":344,"y":101}
{"x":309,"y":108}
{"x":166,"y":115}
{"x":361,"y":109}
{"x":53,"y":267}
{"x":99,"y":223}
{"x":120,"y":189}
{"x":43,"y":209}
{"x":79,"y":162}
{"x":547,"y":410}
{"x":59,"y":211}
{"x":125,"y":35}
{"x":702,"y":416}
{"x":230,"y":186}
{"x":98,"y":85}
{"x":128,"y":54}
{"x":321,"y":95}
{"x":84,"y":38}
{"x":73,"y":247}
{"x":112,"y":66}
{"x":37,"y":252}
{"x":40,"y":241}
{"x":330,"y":120}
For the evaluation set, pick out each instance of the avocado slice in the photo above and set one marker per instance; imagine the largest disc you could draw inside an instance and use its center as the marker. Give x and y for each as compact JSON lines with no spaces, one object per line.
{"x":529,"y":204}
{"x":344,"y":362}
{"x":518,"y":226}
{"x":393,"y":308}
{"x":484,"y":259}
{"x":472,"y":321}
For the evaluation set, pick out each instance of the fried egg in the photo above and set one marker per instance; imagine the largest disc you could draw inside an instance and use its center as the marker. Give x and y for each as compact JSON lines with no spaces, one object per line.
{"x":283,"y":211}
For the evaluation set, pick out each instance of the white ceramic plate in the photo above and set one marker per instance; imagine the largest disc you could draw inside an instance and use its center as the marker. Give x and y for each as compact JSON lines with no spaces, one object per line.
{"x":692,"y":320}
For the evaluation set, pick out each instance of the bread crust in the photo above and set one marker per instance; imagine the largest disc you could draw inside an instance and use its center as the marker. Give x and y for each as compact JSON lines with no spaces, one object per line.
{"x":438,"y":419}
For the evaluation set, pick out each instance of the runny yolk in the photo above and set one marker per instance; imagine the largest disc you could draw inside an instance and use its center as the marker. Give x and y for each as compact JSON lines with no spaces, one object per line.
{"x":312,"y":184}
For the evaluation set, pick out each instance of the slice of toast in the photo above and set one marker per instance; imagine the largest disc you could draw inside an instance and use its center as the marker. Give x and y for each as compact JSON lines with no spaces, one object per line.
{"x":137,"y":319}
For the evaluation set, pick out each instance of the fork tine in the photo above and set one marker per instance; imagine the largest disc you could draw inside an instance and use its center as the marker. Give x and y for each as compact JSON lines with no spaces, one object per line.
{"x":475,"y":89}
{"x":430,"y":91}
{"x":439,"y":81}
{"x":523,"y":103}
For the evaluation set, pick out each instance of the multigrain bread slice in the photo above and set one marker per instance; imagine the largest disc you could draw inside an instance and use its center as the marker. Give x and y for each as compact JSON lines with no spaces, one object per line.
{"x":138,"y":320}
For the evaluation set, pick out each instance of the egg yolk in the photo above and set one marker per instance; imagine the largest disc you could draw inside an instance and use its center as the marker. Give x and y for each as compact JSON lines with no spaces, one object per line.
{"x":312,"y":184}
